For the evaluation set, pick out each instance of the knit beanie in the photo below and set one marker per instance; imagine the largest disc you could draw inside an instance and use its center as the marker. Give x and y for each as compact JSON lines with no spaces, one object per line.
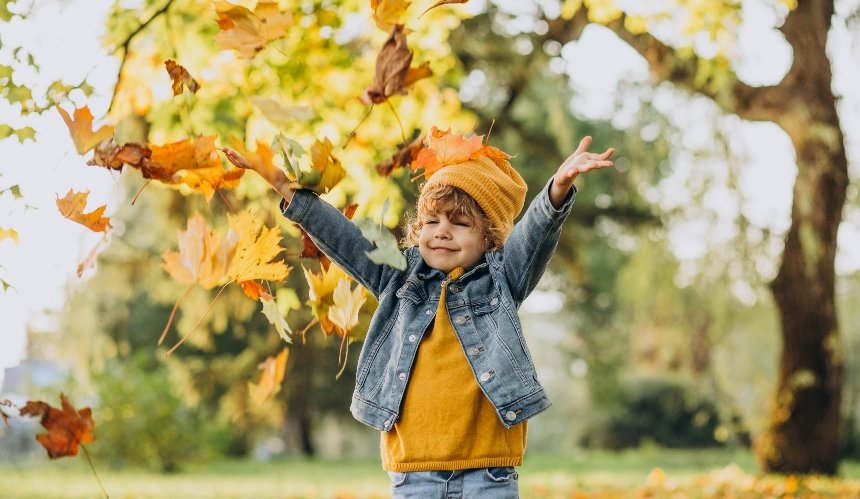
{"x":493,"y":183}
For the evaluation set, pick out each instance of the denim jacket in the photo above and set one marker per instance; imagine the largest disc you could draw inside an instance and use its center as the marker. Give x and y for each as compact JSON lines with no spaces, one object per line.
{"x":482,"y":305}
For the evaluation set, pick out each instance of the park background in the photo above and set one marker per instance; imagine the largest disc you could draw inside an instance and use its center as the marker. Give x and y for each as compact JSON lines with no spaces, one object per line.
{"x":655,"y":330}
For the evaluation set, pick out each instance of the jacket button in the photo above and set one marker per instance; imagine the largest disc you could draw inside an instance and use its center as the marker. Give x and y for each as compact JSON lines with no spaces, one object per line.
{"x":510,"y":415}
{"x":412,"y":338}
{"x":428,"y":312}
{"x":462,"y":319}
{"x":402,"y":376}
{"x":387,"y":423}
{"x":494,"y":301}
{"x":485,"y":377}
{"x":474,"y":351}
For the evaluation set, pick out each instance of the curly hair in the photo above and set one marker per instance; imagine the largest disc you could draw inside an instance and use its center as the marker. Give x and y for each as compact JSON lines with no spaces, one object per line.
{"x":453,"y":202}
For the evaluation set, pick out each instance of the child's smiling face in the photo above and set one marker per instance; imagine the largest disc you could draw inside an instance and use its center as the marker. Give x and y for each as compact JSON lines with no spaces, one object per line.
{"x":448,"y":241}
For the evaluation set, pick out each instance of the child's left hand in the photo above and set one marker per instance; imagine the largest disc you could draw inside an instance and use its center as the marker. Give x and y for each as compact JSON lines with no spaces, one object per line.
{"x":580,"y":161}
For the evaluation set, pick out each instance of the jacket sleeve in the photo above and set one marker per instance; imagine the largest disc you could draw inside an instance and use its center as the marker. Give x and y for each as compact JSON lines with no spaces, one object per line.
{"x":533,"y":240}
{"x":339,"y":238}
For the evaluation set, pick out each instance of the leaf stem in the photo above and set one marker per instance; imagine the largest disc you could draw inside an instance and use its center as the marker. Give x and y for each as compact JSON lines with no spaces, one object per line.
{"x":173,"y":313}
{"x":93,"y":467}
{"x":397,"y":117}
{"x":354,"y":130}
{"x":198,"y":321}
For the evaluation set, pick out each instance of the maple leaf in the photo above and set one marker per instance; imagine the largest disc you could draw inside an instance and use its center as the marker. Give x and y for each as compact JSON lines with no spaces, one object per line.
{"x":202,"y":257}
{"x":320,"y":294}
{"x":447,"y":148}
{"x":81,"y":129}
{"x":273,"y":314}
{"x":180,"y":77}
{"x":113,"y":156}
{"x":406,"y":155}
{"x":67,"y":427}
{"x":310,"y":250}
{"x":393,"y":71}
{"x":72,"y":206}
{"x":10,"y":234}
{"x":440,"y":3}
{"x":273,"y":368}
{"x":193,"y":163}
{"x":330,"y":168}
{"x":347,"y":304}
{"x":386,"y":13}
{"x":248,"y":32}
{"x":254,"y":254}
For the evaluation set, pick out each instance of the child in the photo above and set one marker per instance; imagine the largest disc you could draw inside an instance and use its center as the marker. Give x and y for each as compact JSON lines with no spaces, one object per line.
{"x":444,"y":372}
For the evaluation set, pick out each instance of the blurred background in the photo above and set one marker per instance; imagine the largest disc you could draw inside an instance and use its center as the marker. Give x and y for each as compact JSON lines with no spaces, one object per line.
{"x":674,"y":314}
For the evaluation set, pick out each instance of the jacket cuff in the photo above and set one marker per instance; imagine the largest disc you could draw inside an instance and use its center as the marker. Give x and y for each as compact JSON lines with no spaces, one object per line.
{"x":547,"y":207}
{"x":296,"y":209}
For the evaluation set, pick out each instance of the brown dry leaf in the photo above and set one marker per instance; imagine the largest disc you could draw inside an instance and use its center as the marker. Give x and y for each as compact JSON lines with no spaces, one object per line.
{"x":403,"y":157}
{"x":254,"y":254}
{"x":248,"y":32}
{"x":111,"y":155}
{"x":202,"y":257}
{"x":81,"y":129}
{"x":310,"y":249}
{"x":271,"y":378}
{"x":67,"y":427}
{"x":195,"y":164}
{"x":180,"y":77}
{"x":393,"y":72}
{"x":386,"y":13}
{"x":441,"y":3}
{"x":72,"y":207}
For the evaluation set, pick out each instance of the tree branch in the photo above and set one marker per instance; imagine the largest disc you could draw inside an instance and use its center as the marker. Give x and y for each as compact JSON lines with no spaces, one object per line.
{"x":127,"y":42}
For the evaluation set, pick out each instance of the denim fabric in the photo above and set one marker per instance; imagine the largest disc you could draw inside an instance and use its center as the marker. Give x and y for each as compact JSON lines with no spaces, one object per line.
{"x":482,"y":305}
{"x":479,"y":483}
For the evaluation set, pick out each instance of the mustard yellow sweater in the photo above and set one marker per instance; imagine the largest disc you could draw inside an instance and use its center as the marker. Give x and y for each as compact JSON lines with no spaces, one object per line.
{"x":446,"y":422}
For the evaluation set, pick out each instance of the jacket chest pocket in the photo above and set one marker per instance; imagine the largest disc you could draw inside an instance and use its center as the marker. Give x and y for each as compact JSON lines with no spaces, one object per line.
{"x":486,"y":312}
{"x":413,"y":291}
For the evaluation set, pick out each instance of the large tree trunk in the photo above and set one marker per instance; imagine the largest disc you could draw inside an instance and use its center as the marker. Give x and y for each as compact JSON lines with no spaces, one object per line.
{"x":803,"y":431}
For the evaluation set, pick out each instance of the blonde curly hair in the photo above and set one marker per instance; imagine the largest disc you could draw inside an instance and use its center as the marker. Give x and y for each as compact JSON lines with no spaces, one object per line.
{"x":453,"y":202}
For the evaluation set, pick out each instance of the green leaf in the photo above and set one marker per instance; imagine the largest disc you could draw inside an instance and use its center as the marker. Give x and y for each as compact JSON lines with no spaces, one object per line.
{"x":291,"y":152}
{"x":5,"y":71}
{"x":5,"y":131}
{"x":270,"y":310}
{"x":26,"y":133}
{"x":386,"y":252}
{"x":6,"y":285}
{"x":5,"y":15}
{"x":18,"y":93}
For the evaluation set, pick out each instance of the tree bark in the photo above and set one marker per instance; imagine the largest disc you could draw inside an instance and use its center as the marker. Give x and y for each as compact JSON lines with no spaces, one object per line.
{"x":803,"y":434}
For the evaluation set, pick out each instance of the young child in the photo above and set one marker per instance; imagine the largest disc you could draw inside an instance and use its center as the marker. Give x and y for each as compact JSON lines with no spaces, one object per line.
{"x":444,"y":372}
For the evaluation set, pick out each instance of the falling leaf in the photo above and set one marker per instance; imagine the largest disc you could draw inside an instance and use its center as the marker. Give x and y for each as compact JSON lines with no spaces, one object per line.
{"x":440,"y":3}
{"x":393,"y":71}
{"x":67,"y":427}
{"x":403,"y":157}
{"x":291,"y":151}
{"x":270,"y":310}
{"x":72,"y":207}
{"x":255,"y":290}
{"x":90,"y":261}
{"x":254,"y":254}
{"x":193,"y":163}
{"x":310,"y":249}
{"x":271,"y":378}
{"x":248,"y":32}
{"x":81,"y":128}
{"x":386,"y":251}
{"x":10,"y":234}
{"x":260,"y":160}
{"x":111,"y":155}
{"x":282,"y":116}
{"x":202,"y":257}
{"x":330,"y":168}
{"x":320,"y":295}
{"x":180,"y":77}
{"x":347,"y":304}
{"x":387,"y":13}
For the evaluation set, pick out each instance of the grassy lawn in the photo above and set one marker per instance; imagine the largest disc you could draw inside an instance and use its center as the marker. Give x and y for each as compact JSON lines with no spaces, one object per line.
{"x":640,"y":473}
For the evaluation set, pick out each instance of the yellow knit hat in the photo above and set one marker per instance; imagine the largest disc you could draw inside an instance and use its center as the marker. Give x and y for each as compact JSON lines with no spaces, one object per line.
{"x":493,"y":183}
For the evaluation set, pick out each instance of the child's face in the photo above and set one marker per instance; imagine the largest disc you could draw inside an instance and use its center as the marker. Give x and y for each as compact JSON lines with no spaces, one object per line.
{"x":447,"y":243}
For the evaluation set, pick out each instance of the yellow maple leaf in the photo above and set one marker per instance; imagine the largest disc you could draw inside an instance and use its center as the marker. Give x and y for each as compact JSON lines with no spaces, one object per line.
{"x":321,"y":294}
{"x":72,"y":206}
{"x":347,"y":304}
{"x":254,"y":254}
{"x":248,"y":32}
{"x":330,"y":167}
{"x":202,"y":257}
{"x":273,"y":368}
{"x":387,"y":13}
{"x":81,"y":129}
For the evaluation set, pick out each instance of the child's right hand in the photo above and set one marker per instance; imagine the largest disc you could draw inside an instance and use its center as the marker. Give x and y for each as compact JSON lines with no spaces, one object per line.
{"x":273,"y":176}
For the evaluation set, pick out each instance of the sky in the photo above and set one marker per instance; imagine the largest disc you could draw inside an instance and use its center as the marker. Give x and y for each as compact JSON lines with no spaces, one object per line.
{"x":65,"y":39}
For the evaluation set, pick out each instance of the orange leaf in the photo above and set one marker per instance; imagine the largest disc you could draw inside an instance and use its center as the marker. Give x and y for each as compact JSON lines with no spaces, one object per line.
{"x":271,"y":378}
{"x":393,"y":73}
{"x":406,"y":155}
{"x":255,"y":291}
{"x":181,"y":77}
{"x":81,"y":128}
{"x":195,"y":164}
{"x":67,"y":427}
{"x":72,"y":207}
{"x":446,"y":148}
{"x":248,"y":32}
{"x":254,"y":255}
{"x":113,"y":156}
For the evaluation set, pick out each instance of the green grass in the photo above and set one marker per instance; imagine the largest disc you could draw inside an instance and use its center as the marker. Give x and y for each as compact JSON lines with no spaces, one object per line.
{"x":708,"y":473}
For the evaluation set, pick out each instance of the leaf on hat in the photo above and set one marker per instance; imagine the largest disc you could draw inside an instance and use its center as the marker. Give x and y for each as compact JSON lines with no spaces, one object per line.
{"x":180,"y":77}
{"x":393,"y":69}
{"x":445,"y":148}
